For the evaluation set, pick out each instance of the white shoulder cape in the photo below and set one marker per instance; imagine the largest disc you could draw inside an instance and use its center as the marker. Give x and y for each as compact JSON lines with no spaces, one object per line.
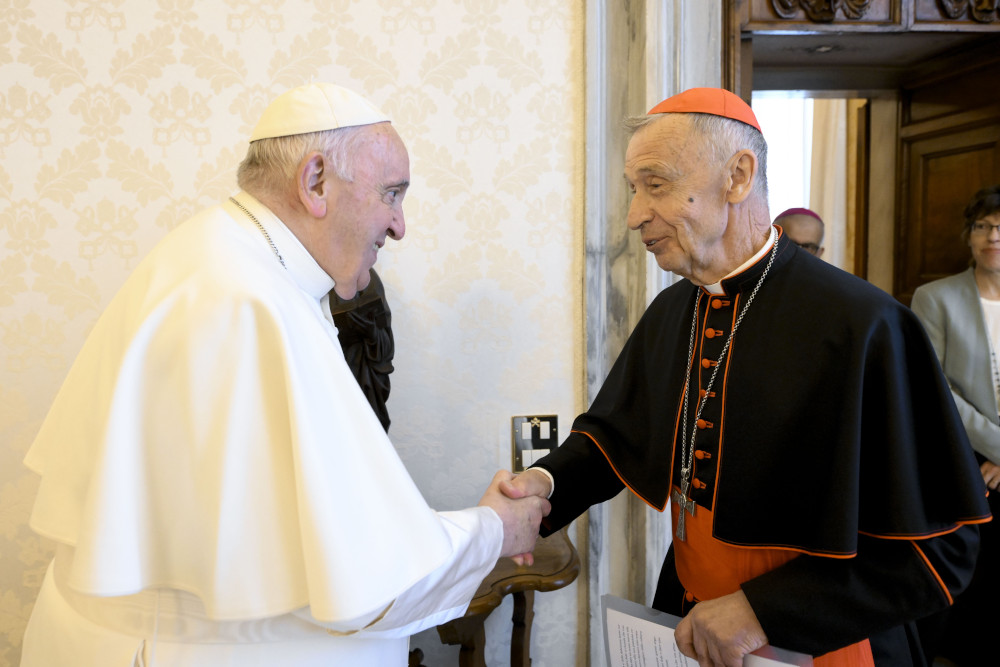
{"x":211,"y":438}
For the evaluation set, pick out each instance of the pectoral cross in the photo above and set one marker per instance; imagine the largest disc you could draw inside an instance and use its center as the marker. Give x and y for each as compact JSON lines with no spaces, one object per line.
{"x":683,"y":503}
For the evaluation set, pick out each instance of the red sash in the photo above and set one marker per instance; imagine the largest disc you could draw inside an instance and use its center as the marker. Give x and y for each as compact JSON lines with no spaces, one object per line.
{"x":709,"y":569}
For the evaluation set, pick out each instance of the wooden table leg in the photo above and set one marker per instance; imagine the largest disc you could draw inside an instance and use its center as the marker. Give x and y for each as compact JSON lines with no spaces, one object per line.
{"x":520,"y":636}
{"x":469,"y":633}
{"x":556,"y":565}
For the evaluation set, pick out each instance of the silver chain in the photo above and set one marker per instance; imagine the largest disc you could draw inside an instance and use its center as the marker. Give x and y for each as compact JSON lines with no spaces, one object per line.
{"x":263,"y":231}
{"x":687,"y":444}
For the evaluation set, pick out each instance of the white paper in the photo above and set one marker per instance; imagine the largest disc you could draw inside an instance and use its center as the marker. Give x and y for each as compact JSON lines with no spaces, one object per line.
{"x":634,"y":642}
{"x":637,"y":636}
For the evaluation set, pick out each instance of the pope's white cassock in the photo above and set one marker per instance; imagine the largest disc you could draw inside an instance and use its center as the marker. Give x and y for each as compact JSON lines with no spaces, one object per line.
{"x":219,"y":488}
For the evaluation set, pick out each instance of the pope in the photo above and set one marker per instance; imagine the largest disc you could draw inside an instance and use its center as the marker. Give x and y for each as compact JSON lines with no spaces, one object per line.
{"x":218,"y":486}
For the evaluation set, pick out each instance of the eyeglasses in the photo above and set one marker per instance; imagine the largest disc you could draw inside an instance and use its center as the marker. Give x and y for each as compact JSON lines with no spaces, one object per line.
{"x":812,"y":248}
{"x":983,"y":228}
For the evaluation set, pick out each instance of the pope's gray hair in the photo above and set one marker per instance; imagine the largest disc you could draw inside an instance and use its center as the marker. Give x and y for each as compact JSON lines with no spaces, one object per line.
{"x":725,"y":138}
{"x":270,"y":164}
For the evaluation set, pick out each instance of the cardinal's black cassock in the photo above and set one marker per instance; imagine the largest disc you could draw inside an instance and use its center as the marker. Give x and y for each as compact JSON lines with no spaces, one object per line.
{"x":830,"y":474}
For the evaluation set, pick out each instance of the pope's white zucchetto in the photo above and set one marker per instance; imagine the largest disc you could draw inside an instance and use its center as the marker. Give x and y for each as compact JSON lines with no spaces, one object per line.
{"x":315,"y":107}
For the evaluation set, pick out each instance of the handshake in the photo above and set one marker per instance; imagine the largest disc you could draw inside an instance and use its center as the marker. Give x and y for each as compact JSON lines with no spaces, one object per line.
{"x":520,"y":501}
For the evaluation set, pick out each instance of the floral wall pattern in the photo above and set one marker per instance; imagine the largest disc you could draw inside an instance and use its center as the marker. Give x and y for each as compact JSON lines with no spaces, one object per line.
{"x":120,"y":118}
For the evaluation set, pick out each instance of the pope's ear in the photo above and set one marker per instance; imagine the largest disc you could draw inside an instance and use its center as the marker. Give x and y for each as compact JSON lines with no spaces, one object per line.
{"x":312,"y":180}
{"x":742,"y":174}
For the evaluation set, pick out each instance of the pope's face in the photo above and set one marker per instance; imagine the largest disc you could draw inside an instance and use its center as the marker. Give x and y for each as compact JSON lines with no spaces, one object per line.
{"x":365,"y":211}
{"x":985,"y":244}
{"x":679,"y":199}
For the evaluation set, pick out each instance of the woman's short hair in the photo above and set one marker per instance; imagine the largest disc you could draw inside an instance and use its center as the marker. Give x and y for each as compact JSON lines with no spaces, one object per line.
{"x":984,"y":203}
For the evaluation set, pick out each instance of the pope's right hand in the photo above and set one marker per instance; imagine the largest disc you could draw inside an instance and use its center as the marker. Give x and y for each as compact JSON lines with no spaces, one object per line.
{"x":521,"y":516}
{"x":528,"y":484}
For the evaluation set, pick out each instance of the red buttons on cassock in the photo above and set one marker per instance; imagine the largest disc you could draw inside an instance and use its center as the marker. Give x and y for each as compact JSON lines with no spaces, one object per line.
{"x":712,"y":333}
{"x":702,"y":454}
{"x":689,"y":596}
{"x":702,"y":392}
{"x":704,"y":424}
{"x":708,"y":363}
{"x":719,"y":303}
{"x":698,"y":484}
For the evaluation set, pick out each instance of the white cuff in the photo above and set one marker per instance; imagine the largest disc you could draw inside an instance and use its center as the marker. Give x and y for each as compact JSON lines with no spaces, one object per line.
{"x":552,"y":480}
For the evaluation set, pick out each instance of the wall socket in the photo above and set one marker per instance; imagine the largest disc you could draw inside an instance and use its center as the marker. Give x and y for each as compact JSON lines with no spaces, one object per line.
{"x":531,"y":438}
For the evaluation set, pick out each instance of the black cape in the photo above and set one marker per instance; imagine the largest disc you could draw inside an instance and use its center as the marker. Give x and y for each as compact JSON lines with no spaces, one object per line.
{"x":835,"y":417}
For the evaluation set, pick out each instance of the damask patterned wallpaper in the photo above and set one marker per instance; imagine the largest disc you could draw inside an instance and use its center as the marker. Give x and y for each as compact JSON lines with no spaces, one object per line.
{"x":120,"y":118}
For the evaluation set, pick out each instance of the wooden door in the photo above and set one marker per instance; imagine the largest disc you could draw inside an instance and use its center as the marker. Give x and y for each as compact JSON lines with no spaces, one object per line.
{"x":939,"y":58}
{"x":859,"y":189}
{"x":949,"y":147}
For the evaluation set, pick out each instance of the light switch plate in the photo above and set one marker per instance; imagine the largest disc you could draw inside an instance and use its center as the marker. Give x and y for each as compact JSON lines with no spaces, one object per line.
{"x":532,"y":437}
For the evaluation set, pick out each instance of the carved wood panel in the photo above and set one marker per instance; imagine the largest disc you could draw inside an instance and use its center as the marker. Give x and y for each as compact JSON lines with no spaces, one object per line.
{"x":849,"y":14}
{"x":822,"y":12}
{"x":958,"y":11}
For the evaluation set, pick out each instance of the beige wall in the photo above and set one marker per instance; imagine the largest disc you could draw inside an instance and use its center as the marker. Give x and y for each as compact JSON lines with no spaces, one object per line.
{"x":118,"y":119}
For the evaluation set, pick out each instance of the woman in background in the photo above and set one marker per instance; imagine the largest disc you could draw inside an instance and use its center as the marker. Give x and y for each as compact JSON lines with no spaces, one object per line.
{"x":962,"y":316}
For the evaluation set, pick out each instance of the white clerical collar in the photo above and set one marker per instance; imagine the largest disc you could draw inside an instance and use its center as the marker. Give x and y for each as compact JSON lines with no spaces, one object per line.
{"x":302,"y":267}
{"x":716,"y":288}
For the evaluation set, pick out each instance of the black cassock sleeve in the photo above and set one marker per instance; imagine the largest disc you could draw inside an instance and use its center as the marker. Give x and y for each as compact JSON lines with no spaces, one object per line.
{"x":583,"y":478}
{"x":815,"y":604}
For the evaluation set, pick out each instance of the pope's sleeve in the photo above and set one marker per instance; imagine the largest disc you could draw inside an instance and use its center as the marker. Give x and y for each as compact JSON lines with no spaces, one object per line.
{"x":476,"y":536}
{"x":983,"y":431}
{"x":815,"y":605}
